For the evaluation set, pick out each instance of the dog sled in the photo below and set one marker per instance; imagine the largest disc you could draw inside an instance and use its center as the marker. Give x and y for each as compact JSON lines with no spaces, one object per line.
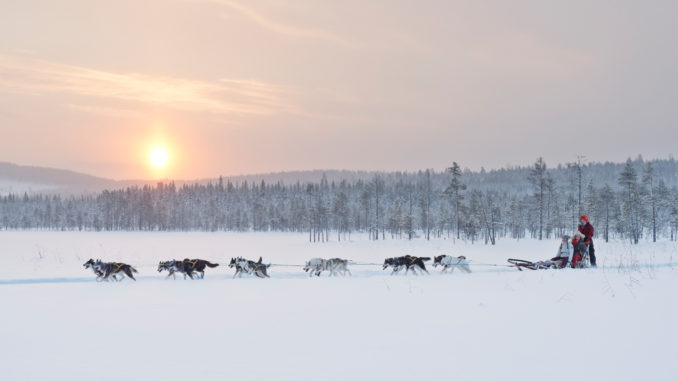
{"x":521,"y":264}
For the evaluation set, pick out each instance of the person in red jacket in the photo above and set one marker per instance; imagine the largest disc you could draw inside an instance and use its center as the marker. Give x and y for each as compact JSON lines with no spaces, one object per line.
{"x":586,"y":229}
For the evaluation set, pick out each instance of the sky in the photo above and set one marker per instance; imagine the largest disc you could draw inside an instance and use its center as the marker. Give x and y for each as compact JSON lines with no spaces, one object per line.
{"x":236,"y":87}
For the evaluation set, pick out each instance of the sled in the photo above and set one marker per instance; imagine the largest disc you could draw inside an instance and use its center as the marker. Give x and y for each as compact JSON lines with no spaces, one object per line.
{"x":521,"y":264}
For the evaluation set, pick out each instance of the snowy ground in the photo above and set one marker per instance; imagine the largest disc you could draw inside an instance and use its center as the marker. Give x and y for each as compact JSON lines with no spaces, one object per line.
{"x":615,"y":322}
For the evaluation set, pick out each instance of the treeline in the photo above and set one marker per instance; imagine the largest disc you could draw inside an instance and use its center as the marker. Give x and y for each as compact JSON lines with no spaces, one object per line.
{"x":633,"y":201}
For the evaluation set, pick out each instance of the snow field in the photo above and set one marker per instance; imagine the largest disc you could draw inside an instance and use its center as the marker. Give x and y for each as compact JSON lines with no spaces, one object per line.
{"x":496,"y":323}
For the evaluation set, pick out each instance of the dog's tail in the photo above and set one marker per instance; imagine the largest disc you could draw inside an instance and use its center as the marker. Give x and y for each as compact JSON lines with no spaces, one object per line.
{"x":128,"y":271}
{"x":425,"y":258}
{"x":209,"y":264}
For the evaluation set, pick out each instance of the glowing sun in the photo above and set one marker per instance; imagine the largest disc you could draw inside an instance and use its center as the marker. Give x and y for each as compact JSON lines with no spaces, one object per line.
{"x":159,"y":157}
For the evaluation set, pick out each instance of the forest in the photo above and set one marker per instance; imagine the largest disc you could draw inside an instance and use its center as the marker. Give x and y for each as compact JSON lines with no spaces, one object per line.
{"x":636,"y":200}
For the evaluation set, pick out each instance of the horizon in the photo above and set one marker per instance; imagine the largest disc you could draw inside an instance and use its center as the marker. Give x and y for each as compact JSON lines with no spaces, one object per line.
{"x":465,"y":169}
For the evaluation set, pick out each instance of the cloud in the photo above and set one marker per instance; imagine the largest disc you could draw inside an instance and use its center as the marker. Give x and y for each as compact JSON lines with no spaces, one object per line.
{"x":105,"y":111}
{"x":224,"y":96}
{"x":282,"y":28}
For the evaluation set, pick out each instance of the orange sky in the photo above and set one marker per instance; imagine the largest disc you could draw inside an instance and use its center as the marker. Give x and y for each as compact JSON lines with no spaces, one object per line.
{"x":234,"y":87}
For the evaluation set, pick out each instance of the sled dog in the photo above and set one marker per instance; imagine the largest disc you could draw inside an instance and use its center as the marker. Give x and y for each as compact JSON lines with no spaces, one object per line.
{"x":407,"y":262}
{"x":110,"y":269}
{"x":188,"y":267}
{"x":243,"y":265}
{"x":450,"y":262}
{"x":335,"y":266}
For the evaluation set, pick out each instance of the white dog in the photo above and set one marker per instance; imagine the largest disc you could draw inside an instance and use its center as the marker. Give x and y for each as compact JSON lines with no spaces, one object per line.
{"x":448,"y":261}
{"x":336,"y":266}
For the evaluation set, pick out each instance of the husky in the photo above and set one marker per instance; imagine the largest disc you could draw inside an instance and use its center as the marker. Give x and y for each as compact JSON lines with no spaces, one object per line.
{"x":407,"y":262}
{"x":172,"y":267}
{"x":243,"y":265}
{"x":235,"y":262}
{"x":314,"y":266}
{"x":335,"y":266}
{"x":197,"y":265}
{"x":448,"y":261}
{"x":95,"y":266}
{"x":187,"y":267}
{"x":110,"y":269}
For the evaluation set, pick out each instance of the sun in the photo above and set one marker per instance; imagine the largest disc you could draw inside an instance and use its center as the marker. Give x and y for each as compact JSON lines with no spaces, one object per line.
{"x":159,"y":157}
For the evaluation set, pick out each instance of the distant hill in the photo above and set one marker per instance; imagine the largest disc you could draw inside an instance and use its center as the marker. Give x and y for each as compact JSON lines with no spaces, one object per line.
{"x":20,"y":179}
{"x":17,"y":179}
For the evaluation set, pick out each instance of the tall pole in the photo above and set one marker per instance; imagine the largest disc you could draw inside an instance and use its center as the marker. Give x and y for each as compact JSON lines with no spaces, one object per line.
{"x":579,"y":173}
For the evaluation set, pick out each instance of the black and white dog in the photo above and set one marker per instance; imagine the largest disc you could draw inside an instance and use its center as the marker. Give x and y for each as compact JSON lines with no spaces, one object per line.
{"x":95,"y":266}
{"x":335,"y":266}
{"x":243,"y":265}
{"x":173,"y":267}
{"x":407,"y":262}
{"x":187,"y":267}
{"x":104,"y":270}
{"x":448,"y":261}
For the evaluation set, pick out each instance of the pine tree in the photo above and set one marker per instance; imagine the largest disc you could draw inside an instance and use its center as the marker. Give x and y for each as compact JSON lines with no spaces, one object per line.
{"x":649,"y":185}
{"x":454,"y":191}
{"x":628,"y":180}
{"x":539,"y":181}
{"x":606,"y":205}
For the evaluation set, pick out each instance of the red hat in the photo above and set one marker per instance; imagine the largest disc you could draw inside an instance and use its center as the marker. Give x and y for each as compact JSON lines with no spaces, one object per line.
{"x":584,"y":217}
